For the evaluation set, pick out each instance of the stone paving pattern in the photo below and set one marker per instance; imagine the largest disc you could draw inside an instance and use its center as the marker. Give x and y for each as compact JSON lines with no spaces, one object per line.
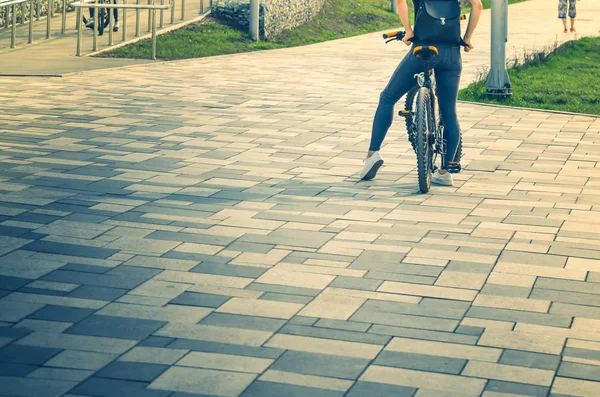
{"x":198,"y":229}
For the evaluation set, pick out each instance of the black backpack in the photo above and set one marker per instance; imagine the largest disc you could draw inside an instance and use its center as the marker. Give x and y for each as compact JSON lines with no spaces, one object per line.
{"x":437,"y":22}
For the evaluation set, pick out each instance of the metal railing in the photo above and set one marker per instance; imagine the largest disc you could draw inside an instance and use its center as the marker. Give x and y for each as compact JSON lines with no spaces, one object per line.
{"x":13,"y":5}
{"x":152,"y":8}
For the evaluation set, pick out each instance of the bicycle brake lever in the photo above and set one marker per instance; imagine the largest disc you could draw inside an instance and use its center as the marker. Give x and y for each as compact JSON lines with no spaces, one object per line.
{"x":387,"y":41}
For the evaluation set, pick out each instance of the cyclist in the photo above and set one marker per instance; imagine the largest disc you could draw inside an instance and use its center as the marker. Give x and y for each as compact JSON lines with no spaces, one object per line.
{"x":447,"y":66}
{"x":90,"y":23}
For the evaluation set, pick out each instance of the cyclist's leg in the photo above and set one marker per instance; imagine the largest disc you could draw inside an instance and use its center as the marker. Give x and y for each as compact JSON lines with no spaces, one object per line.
{"x":400,"y":83}
{"x":115,"y":13}
{"x":92,"y":10}
{"x":447,"y":76}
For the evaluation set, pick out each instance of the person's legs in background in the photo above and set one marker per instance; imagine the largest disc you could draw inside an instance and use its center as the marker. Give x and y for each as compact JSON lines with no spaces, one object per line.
{"x":572,"y":13}
{"x":562,"y":13}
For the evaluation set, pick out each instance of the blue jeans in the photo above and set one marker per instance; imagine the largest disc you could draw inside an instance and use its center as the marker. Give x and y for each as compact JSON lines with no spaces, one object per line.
{"x":447,"y":66}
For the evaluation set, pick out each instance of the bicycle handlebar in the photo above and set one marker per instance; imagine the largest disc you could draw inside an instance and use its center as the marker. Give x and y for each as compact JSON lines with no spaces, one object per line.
{"x":399,"y":35}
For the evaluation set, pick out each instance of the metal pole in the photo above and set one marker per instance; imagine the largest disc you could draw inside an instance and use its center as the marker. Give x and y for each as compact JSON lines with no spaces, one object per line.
{"x":13,"y":34}
{"x":124,"y":22}
{"x":49,"y":19}
{"x":153,"y":34}
{"x":95,"y":36}
{"x":137,"y":20}
{"x":498,"y":84}
{"x":150,"y":16}
{"x":394,"y":7}
{"x":162,"y":14}
{"x":79,"y":30}
{"x":30,"y":21}
{"x":111,"y":22}
{"x":172,"y":11}
{"x":64,"y":17}
{"x":22,"y":13}
{"x":253,"y":20}
{"x":182,"y":9}
{"x":201,"y":6}
{"x":39,"y":8}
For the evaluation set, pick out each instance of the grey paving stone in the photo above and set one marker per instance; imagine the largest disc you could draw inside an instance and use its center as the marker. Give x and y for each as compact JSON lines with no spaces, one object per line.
{"x":116,"y":327}
{"x":567,"y":285}
{"x":320,"y":365}
{"x":91,"y":279}
{"x":520,"y":316}
{"x":566,"y":297}
{"x":103,"y":387}
{"x":270,"y":389}
{"x":519,"y":389}
{"x":423,"y":334}
{"x":469,"y":330}
{"x":156,"y":341}
{"x":343,"y":325}
{"x":295,"y":238}
{"x":142,"y":372}
{"x":506,"y":290}
{"x":356,"y":283}
{"x":386,"y":318}
{"x":243,"y":322}
{"x":61,"y":313}
{"x":16,"y":369}
{"x":14,"y":386}
{"x":199,"y":299}
{"x":190,"y":237}
{"x":569,"y":309}
{"x":302,"y":320}
{"x":229,"y":270}
{"x":579,"y":371}
{"x":532,"y":360}
{"x":336,"y":334}
{"x":81,"y":360}
{"x":4,"y":292}
{"x":98,"y":293}
{"x":40,"y":291}
{"x":369,"y":389}
{"x":14,"y":332}
{"x":406,"y":278}
{"x":13,"y":283}
{"x":258,"y":248}
{"x":77,"y":267}
{"x":427,"y":307}
{"x":273,"y":296}
{"x":421,"y":362}
{"x":582,"y":353}
{"x":24,"y":354}
{"x":50,"y":247}
{"x":394,"y":267}
{"x":282,"y":289}
{"x":239,"y":350}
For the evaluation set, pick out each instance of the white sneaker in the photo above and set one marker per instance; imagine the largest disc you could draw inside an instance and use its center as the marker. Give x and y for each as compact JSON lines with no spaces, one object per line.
{"x":372,"y":165}
{"x":116,"y":27}
{"x":443,"y":180}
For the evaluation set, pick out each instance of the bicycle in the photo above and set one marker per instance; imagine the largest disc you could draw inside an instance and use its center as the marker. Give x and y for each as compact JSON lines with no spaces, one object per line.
{"x":424,"y":126}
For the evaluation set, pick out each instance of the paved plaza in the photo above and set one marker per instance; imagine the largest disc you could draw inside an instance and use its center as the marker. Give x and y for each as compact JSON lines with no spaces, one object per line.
{"x":197,"y":228}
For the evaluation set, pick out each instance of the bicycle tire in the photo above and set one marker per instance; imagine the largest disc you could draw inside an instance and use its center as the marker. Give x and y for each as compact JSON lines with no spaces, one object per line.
{"x":101,"y":21}
{"x":409,"y":105}
{"x":424,"y":151}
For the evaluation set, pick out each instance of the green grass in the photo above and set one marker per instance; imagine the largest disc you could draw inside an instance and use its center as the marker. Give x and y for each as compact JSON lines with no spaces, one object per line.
{"x":337,"y":19}
{"x":565,"y":79}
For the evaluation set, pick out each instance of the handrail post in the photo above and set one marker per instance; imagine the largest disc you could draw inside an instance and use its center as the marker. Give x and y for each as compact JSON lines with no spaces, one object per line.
{"x":22,"y":13}
{"x":172,"y":11}
{"x":254,"y":19}
{"x":30,"y":21}
{"x":153,"y":34}
{"x":64,"y":17}
{"x":182,"y":9}
{"x":79,"y":30}
{"x":149,"y":17}
{"x":111,"y":22}
{"x":95,"y":41}
{"x":39,"y":8}
{"x":13,"y":33}
{"x":201,"y":7}
{"x":162,"y":14}
{"x":124,"y":22}
{"x":137,"y":20}
{"x":48,"y":20}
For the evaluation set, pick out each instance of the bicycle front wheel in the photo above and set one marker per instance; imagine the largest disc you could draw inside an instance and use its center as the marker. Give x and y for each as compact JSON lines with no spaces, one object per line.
{"x":423,"y":139}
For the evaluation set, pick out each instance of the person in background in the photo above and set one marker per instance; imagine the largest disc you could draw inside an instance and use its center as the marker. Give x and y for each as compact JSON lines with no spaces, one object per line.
{"x":562,"y":13}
